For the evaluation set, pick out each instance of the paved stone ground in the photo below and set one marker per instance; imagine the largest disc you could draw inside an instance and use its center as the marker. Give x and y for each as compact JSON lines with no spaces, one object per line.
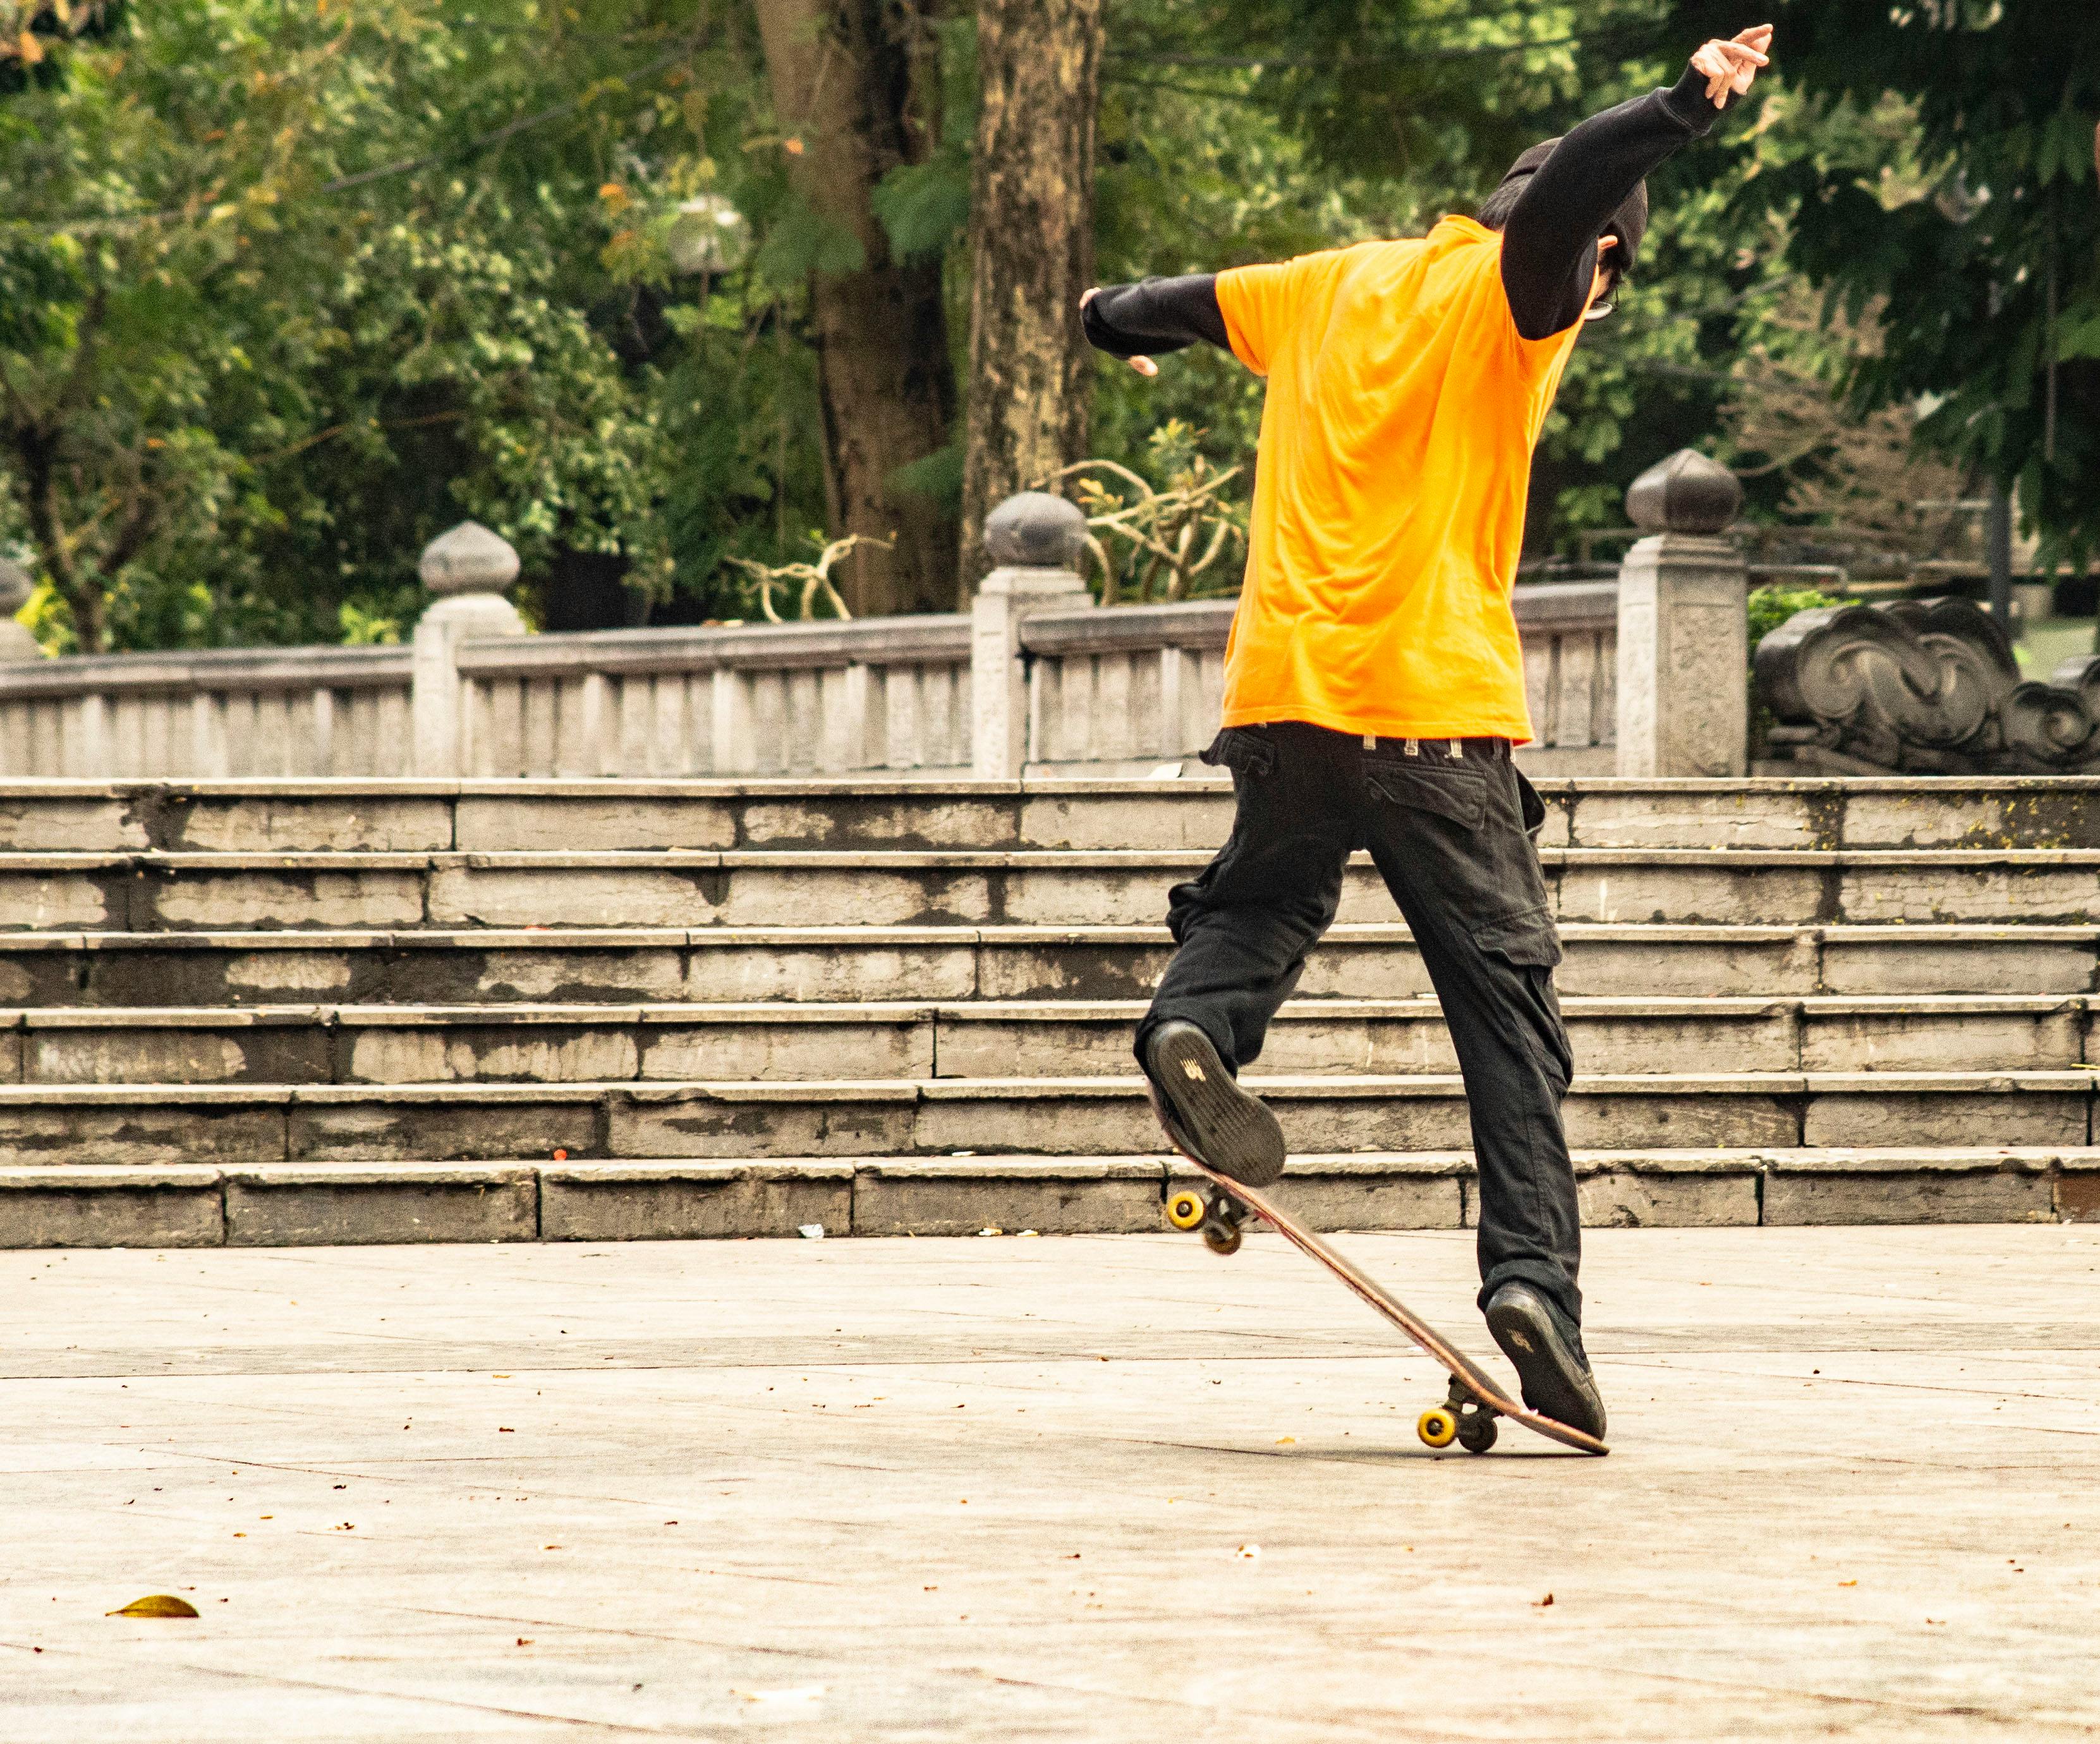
{"x":1094,"y":1487}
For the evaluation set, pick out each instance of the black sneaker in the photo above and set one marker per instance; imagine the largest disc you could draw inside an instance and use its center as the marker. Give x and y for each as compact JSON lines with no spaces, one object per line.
{"x":1204,"y":1110}
{"x":1545,"y":1347}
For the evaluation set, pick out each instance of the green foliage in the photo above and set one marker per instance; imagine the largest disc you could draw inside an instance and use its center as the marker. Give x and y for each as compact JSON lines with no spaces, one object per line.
{"x":364,"y":629}
{"x":272,"y":339}
{"x":1964,"y":216}
{"x":924,"y":208}
{"x":1770,"y":607}
{"x":288,"y":287}
{"x":802,"y":242}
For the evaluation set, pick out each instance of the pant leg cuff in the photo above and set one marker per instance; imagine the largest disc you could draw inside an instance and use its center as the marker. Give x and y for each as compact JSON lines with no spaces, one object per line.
{"x":1548,"y":1280}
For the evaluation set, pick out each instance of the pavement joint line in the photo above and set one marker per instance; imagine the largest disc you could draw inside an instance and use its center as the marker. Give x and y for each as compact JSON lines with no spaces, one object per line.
{"x":209,"y":1669}
{"x":585,"y":1628}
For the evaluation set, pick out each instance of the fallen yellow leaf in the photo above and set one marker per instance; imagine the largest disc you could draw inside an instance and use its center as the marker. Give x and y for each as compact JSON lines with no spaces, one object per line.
{"x":155,"y":1604}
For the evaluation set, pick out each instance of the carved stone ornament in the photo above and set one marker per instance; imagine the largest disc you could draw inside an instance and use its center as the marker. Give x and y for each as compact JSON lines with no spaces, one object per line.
{"x":469,"y":559}
{"x":1035,"y":531}
{"x":1929,"y":686}
{"x":1688,"y":493}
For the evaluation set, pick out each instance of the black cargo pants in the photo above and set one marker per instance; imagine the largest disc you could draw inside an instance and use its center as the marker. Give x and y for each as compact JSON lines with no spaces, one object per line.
{"x":1450,"y":832}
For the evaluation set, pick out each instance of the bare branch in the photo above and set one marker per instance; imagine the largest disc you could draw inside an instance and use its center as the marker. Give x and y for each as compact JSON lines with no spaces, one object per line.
{"x":815,"y":578}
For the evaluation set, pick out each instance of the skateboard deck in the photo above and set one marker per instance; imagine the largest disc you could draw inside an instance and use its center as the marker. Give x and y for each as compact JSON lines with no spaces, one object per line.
{"x":1475,"y":1399}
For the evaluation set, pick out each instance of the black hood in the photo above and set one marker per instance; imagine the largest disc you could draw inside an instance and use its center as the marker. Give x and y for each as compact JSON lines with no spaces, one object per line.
{"x":1629,"y":224}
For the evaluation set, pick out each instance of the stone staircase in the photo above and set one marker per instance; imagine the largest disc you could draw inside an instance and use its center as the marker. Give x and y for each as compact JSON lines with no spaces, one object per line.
{"x":277,"y":1012}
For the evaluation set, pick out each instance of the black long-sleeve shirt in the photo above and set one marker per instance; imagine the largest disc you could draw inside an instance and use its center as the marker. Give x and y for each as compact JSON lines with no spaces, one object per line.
{"x":1549,"y":245}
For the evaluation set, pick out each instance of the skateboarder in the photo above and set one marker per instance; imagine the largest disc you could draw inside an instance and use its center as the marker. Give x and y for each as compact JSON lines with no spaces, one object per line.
{"x":1373,"y":682}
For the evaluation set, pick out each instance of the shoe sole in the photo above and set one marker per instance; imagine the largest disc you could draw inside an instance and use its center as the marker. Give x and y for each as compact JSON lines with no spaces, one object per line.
{"x":1552,"y":1386}
{"x":1204,"y":1110}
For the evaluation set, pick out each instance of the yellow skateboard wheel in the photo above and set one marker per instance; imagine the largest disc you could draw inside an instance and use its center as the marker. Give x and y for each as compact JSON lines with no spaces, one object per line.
{"x":1437,"y":1427}
{"x":1185,"y":1210}
{"x":1221,"y":1238}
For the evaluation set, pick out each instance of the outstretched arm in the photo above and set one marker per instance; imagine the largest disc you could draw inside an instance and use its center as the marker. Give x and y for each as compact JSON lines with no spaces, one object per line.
{"x":1138,"y":321}
{"x":1550,"y":245}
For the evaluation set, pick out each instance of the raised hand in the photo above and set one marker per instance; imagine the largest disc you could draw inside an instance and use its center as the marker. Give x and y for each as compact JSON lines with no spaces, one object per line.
{"x":1732,"y":65}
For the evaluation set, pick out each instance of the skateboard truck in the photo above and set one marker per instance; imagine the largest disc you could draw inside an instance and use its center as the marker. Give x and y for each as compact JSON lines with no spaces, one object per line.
{"x":1219,"y":1215}
{"x":1463,"y":1418}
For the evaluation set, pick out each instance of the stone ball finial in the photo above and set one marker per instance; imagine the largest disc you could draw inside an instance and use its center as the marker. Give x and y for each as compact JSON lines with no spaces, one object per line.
{"x":1035,"y":531}
{"x":469,"y":559}
{"x":1688,"y":493}
{"x":16,"y":587}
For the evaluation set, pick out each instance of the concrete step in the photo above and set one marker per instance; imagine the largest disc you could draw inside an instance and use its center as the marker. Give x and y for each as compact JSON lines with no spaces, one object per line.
{"x":167,"y":1124}
{"x":291,"y":1204}
{"x":536,"y":1043}
{"x":418,"y":817}
{"x":494,"y":964}
{"x":154,"y":893}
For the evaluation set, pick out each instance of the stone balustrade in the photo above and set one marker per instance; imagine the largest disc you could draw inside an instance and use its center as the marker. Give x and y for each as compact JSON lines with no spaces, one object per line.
{"x":1571,"y":672}
{"x":756,"y":699}
{"x":259,"y":711}
{"x":1641,"y":675}
{"x":1122,"y":691}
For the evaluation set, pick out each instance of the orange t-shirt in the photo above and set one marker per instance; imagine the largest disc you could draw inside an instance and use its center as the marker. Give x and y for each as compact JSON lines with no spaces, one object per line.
{"x":1389,"y":492}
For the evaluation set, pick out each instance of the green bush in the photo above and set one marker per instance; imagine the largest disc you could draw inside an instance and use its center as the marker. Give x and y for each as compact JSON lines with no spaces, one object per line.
{"x":1770,"y":607}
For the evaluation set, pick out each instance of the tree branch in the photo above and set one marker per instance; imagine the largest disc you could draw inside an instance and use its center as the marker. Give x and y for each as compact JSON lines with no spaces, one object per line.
{"x":334,"y":430}
{"x":78,"y":378}
{"x":140,"y":518}
{"x":25,"y":415}
{"x":38,"y":455}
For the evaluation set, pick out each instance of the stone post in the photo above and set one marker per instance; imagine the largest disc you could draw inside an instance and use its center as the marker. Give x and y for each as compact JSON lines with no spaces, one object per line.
{"x":1684,"y":631}
{"x":16,"y":587}
{"x":1035,"y":539}
{"x":468,"y":569}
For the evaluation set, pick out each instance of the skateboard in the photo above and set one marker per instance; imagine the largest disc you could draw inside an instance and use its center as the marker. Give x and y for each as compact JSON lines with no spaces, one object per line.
{"x":1475,"y":1399}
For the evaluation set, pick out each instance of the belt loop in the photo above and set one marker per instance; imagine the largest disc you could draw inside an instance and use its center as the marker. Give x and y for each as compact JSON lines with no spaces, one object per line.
{"x":1371,"y":741}
{"x":1458,"y":747}
{"x":1411,"y":747}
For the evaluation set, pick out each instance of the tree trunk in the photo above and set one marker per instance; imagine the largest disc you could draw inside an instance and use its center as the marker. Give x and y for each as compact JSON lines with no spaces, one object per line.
{"x":856,"y":83}
{"x":1032,"y":250}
